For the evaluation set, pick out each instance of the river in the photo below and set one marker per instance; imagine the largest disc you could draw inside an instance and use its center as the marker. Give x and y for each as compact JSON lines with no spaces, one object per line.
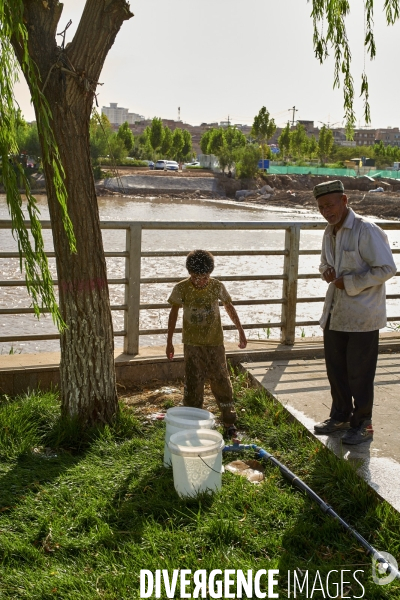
{"x":128,"y":209}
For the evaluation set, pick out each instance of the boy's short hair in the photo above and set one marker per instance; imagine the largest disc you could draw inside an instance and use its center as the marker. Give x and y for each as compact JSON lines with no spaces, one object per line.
{"x":200,"y":262}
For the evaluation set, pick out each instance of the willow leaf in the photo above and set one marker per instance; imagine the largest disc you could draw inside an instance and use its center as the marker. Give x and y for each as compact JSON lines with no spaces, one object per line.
{"x":30,"y":240}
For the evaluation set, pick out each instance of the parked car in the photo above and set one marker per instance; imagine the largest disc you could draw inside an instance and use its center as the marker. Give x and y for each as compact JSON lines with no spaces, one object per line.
{"x":151,"y":164}
{"x":169,"y":165}
{"x":160,"y":164}
{"x":172,"y":165}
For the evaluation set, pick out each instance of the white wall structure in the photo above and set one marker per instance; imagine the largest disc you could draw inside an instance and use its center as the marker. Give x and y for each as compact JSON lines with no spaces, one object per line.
{"x":209,"y":161}
{"x":117,"y":115}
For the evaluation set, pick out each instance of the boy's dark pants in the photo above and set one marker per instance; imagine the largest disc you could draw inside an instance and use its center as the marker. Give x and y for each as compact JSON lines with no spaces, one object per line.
{"x":208,"y":362}
{"x":351,"y":359}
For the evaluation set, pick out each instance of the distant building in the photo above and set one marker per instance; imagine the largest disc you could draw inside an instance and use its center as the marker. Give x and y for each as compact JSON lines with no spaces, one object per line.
{"x":365,"y":137}
{"x":117,"y":115}
{"x":389,"y":136}
{"x":368,"y":137}
{"x":310,"y":128}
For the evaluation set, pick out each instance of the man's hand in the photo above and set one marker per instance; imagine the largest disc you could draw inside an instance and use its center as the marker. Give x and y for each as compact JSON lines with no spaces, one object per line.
{"x":329,"y":275}
{"x":170,"y":351}
{"x":339,"y":283}
{"x":242,"y":340}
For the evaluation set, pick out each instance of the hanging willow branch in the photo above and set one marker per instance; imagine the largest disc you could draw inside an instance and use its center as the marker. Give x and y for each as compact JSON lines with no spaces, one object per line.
{"x":32,"y":254}
{"x":334,"y":13}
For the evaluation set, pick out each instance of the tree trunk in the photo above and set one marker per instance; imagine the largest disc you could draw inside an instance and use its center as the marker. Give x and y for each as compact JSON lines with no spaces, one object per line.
{"x":69,"y":77}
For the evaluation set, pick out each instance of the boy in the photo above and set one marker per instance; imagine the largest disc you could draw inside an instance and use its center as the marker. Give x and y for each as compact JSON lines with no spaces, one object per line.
{"x":202,"y":335}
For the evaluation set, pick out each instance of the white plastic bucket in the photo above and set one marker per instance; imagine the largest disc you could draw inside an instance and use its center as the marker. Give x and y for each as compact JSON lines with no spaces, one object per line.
{"x":180,"y":418}
{"x":196,"y":461}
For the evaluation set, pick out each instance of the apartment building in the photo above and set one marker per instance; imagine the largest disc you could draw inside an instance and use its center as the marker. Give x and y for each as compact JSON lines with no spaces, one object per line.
{"x":117,"y":115}
{"x":365,"y":137}
{"x":368,"y":137}
{"x":389,"y":136}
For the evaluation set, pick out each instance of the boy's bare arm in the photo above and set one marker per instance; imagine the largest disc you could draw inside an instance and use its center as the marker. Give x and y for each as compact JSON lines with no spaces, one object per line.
{"x":173,"y":316}
{"x":230,"y":309}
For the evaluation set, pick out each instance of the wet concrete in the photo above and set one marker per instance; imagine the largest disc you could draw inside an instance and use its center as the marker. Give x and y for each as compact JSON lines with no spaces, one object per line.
{"x":302,"y":387}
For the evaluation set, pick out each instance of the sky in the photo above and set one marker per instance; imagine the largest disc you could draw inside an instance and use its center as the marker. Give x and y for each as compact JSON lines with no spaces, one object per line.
{"x":227,"y":58}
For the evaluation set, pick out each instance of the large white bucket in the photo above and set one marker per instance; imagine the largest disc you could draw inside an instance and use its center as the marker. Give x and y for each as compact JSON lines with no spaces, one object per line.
{"x":196,"y":461}
{"x":180,"y":418}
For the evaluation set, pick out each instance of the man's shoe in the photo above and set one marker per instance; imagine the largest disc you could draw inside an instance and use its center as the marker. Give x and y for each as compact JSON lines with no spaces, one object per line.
{"x":364,"y":432}
{"x":330,"y":426}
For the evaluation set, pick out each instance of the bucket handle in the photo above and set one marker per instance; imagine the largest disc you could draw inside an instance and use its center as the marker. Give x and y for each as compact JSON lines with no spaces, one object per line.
{"x":218,"y":472}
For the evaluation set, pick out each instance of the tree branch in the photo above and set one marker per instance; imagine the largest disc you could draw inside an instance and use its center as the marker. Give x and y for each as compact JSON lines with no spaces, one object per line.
{"x":41,"y":20}
{"x":100,"y":22}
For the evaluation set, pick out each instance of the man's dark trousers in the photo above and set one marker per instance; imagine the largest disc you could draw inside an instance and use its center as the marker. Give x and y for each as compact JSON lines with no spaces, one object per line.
{"x":351,"y":359}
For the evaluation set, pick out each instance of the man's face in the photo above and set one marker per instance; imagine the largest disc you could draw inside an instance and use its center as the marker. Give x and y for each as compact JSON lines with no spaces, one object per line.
{"x":333,"y":207}
{"x":200,"y":280}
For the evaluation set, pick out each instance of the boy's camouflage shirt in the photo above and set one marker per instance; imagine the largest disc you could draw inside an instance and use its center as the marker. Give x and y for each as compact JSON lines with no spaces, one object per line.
{"x":201,"y":316}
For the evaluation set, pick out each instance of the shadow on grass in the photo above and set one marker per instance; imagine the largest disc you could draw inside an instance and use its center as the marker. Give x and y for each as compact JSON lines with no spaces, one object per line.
{"x":32,"y":470}
{"x":152,"y":499}
{"x":37,"y":444}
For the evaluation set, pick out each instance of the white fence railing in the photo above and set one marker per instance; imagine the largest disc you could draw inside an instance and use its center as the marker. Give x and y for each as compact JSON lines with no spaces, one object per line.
{"x":133,"y":255}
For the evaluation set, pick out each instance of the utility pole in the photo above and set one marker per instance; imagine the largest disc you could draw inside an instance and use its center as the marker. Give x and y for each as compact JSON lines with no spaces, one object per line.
{"x":228,"y":121}
{"x":294,"y":110}
{"x":179,"y":113}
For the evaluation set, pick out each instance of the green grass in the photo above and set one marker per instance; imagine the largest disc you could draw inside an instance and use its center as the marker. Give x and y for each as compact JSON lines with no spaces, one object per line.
{"x":197,"y":167}
{"x":82,"y":512}
{"x":123,"y":162}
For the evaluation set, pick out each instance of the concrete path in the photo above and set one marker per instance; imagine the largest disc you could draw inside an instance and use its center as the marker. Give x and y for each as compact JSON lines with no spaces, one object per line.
{"x":302,"y":387}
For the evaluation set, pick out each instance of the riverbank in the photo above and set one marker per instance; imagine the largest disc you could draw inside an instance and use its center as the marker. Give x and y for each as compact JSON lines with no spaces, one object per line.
{"x":295,"y":191}
{"x":287,"y":191}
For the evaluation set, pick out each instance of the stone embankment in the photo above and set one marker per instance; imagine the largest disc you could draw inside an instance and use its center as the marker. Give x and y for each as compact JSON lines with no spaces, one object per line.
{"x":285,"y":191}
{"x":143,"y":183}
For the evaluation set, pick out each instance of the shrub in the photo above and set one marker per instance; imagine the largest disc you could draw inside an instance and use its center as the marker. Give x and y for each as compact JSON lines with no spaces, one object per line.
{"x":123,"y":162}
{"x":247,"y":163}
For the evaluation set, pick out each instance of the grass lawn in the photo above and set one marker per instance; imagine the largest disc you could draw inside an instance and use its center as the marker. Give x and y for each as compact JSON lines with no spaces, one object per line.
{"x":82,"y":513}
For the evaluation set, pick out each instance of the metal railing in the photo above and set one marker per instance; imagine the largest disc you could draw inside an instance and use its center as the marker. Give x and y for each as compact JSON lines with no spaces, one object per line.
{"x":133,"y":255}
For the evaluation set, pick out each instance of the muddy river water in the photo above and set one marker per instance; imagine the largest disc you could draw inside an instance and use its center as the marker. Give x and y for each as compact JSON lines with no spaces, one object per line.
{"x":139,"y":209}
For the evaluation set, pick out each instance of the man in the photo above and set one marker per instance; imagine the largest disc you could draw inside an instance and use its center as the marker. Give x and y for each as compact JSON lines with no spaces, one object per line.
{"x":356,"y":260}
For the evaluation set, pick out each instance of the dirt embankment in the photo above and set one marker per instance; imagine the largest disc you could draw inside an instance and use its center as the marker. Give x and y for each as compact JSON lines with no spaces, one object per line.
{"x":289,"y":191}
{"x":295,"y":191}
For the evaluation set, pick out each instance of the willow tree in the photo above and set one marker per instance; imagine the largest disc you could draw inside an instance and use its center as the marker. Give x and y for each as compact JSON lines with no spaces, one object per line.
{"x":329,"y":18}
{"x":63,"y":81}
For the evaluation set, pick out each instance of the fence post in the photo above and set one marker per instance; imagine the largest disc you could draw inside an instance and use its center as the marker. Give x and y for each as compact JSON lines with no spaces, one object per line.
{"x":132,"y":288}
{"x":290,"y":269}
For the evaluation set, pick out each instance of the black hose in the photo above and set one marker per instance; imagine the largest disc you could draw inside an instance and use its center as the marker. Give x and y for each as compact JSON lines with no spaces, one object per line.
{"x":298,"y":483}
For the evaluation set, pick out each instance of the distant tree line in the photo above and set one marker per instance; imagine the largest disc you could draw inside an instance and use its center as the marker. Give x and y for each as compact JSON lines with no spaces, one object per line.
{"x":155,"y":142}
{"x":232,"y":148}
{"x":295,"y":144}
{"x":28,"y":139}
